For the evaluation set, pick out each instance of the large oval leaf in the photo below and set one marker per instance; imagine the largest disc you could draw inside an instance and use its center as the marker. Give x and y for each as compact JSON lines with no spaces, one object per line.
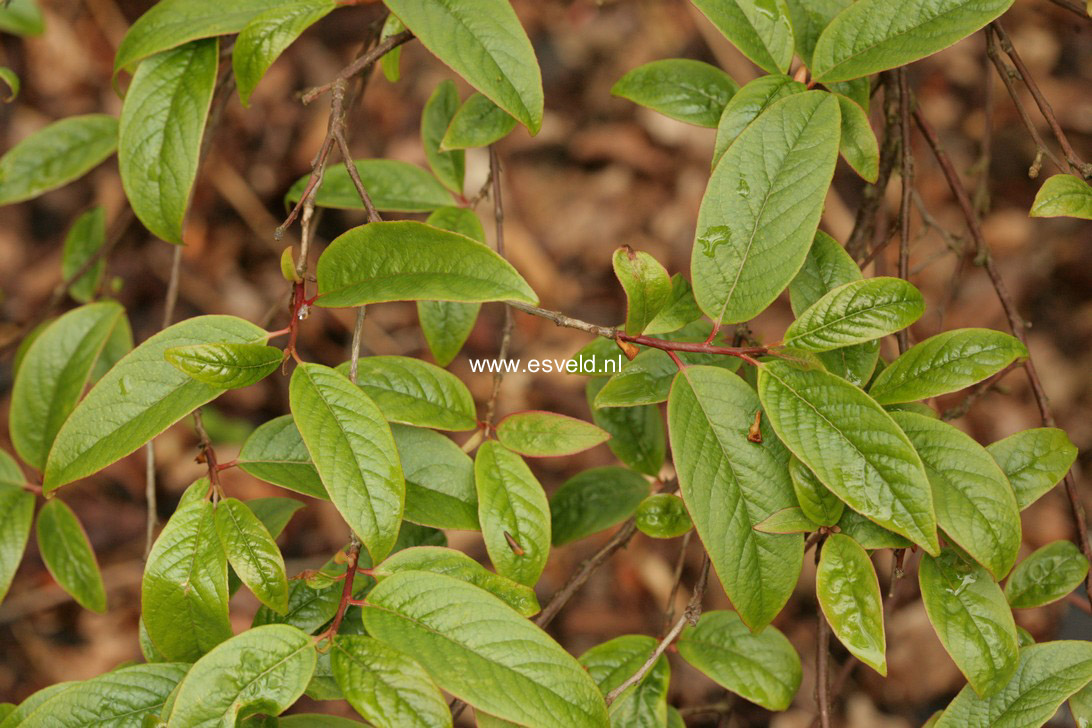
{"x":478,"y":649}
{"x":809,"y":17}
{"x":439,"y":479}
{"x":849,"y":593}
{"x":445,"y":324}
{"x":546,"y":434}
{"x":83,"y":241}
{"x":690,"y":91}
{"x":646,"y":283}
{"x":730,"y":484}
{"x":747,"y":104}
{"x":394,"y":186}
{"x":643,"y":705}
{"x":275,"y":453}
{"x":760,"y":29}
{"x":448,"y":166}
{"x":1046,"y":575}
{"x":594,"y":500}
{"x":478,"y":123}
{"x":1034,"y":460}
{"x":414,"y":392}
{"x":816,"y":501}
{"x":1063,"y":195}
{"x":252,"y":553}
{"x":855,"y":313}
{"x":637,"y":433}
{"x":21,"y":17}
{"x":68,"y":555}
{"x":56,"y":155}
{"x":16,"y":515}
{"x":762,"y":206}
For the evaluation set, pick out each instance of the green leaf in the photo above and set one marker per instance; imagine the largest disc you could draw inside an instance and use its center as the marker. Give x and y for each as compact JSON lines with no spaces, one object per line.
{"x":139,"y":397}
{"x":447,"y":325}
{"x":274,"y":513}
{"x":394,"y":186}
{"x":613,"y":662}
{"x":853,"y":447}
{"x":159,"y":141}
{"x":849,"y":593}
{"x":16,"y":514}
{"x":484,"y":43}
{"x":414,"y":392}
{"x":479,"y":650}
{"x":11,"y":80}
{"x":267,"y":35}
{"x":225,"y":365}
{"x":974,"y":502}
{"x":946,"y":363}
{"x":761,"y":667}
{"x":512,"y":505}
{"x":816,"y":501}
{"x":59,"y":365}
{"x":647,"y":286}
{"x":874,"y":35}
{"x":762,"y":206}
{"x":972,"y":619}
{"x":868,"y":534}
{"x":1063,"y":195}
{"x":36,"y":699}
{"x":439,"y":479}
{"x":83,"y":241}
{"x":729,"y":484}
{"x":55,"y":155}
{"x":21,"y":17}
{"x":680,"y":309}
{"x":637,"y":433}
{"x":747,"y":104}
{"x":386,"y":686}
{"x":690,"y":91}
{"x":858,"y":145}
{"x":390,"y":62}
{"x":264,"y":669}
{"x":1080,"y":705}
{"x":1034,"y":460}
{"x":855,"y":313}
{"x":252,"y":553}
{"x":547,"y":434}
{"x":663,"y":515}
{"x":593,"y":501}
{"x":412,"y":261}
{"x":317,"y":720}
{"x":1047,"y":575}
{"x":788,"y":520}
{"x":275,"y":453}
{"x":448,"y":166}
{"x":438,"y":560}
{"x":758,"y":28}
{"x":477,"y":123}
{"x":808,"y":19}
{"x":68,"y":555}
{"x":354,"y":452}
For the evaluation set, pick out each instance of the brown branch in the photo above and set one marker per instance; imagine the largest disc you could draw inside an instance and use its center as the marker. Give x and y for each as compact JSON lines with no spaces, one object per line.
{"x":506,"y":332}
{"x":1072,"y":7}
{"x":864,"y":226}
{"x":676,"y":580}
{"x":361,"y":65}
{"x":907,"y":180}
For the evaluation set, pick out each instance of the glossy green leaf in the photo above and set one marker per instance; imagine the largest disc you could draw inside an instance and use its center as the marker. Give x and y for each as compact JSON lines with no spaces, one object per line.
{"x":392,"y":185}
{"x":274,"y":513}
{"x":56,"y":155}
{"x":637,"y":433}
{"x":613,"y":662}
{"x":849,"y":594}
{"x":746,"y":105}
{"x":1063,"y":195}
{"x":32,"y":703}
{"x":761,"y":667}
{"x":645,"y":379}
{"x":971,"y":618}
{"x":663,"y":515}
{"x":874,"y":35}
{"x":21,"y":17}
{"x":354,"y":452}
{"x":868,"y":534}
{"x":59,"y":364}
{"x":478,"y":649}
{"x":11,"y":80}
{"x":252,"y":553}
{"x":68,"y":555}
{"x":1080,"y":705}
{"x":275,"y":453}
{"x":484,"y":43}
{"x":267,"y":35}
{"x":690,"y":91}
{"x":1048,"y":674}
{"x":946,"y":363}
{"x":184,"y":594}
{"x":412,"y":261}
{"x":729,"y":484}
{"x":139,"y":397}
{"x":264,"y":669}
{"x":448,"y":166}
{"x":547,"y":434}
{"x":788,"y":520}
{"x":758,"y":28}
{"x":808,"y":19}
{"x":309,"y":606}
{"x":512,"y":505}
{"x":445,"y":324}
{"x":647,"y":286}
{"x":83,"y":241}
{"x":414,"y":392}
{"x":680,"y":309}
{"x":1034,"y":460}
{"x":593,"y":501}
{"x":853,"y":447}
{"x":16,"y":514}
{"x":1047,"y":575}
{"x":391,"y":60}
{"x":439,"y":479}
{"x":224,"y":365}
{"x":855,"y":313}
{"x":858,"y":145}
{"x":457,"y":564}
{"x":974,"y":502}
{"x":762,"y":206}
{"x":478,"y":122}
{"x":815,"y":499}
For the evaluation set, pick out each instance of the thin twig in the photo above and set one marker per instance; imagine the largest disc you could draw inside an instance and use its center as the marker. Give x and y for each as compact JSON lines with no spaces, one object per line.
{"x":676,"y":579}
{"x":506,"y":333}
{"x":907,"y":175}
{"x":361,"y":65}
{"x":864,"y":226}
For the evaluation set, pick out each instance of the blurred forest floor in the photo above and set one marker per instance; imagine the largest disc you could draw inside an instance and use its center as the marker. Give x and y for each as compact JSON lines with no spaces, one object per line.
{"x":602,"y":173}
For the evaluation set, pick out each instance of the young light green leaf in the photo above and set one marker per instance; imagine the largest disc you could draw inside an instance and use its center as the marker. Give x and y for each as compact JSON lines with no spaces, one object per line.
{"x":267,"y":35}
{"x":808,"y":19}
{"x":972,"y":619}
{"x":413,"y":261}
{"x":354,"y":452}
{"x":275,"y":453}
{"x":746,"y":105}
{"x":1080,"y":705}
{"x":1047,"y":575}
{"x":394,"y":186}
{"x":445,"y":324}
{"x":729,"y":484}
{"x":317,"y":720}
{"x":611,"y":663}
{"x":391,"y":60}
{"x":690,"y":91}
{"x":184,"y":594}
{"x":449,"y":166}
{"x":513,"y":512}
{"x":548,"y":434}
{"x":440,"y":560}
{"x":758,"y":28}
{"x":139,"y":397}
{"x":853,"y":447}
{"x":478,"y":649}
{"x":16,"y":514}
{"x":1034,"y":461}
{"x":252,"y":553}
{"x":849,"y":593}
{"x":875,"y":35}
{"x":159,"y":141}
{"x":868,"y":534}
{"x":946,"y":363}
{"x":264,"y":669}
{"x":1063,"y":195}
{"x":439,"y":479}
{"x":386,"y":686}
{"x":647,"y":286}
{"x":637,"y":433}
{"x":680,"y":309}
{"x":593,"y":501}
{"x":414,"y":392}
{"x":21,"y":17}
{"x":788,"y":520}
{"x":226,"y":365}
{"x":59,"y":365}
{"x":11,"y":80}
{"x":663,"y":515}
{"x":484,"y":43}
{"x":855,"y":313}
{"x":815,"y":499}
{"x":754,"y":229}
{"x":858,"y":145}
{"x":68,"y":555}
{"x":56,"y":155}
{"x":761,"y":667}
{"x":477,"y":123}
{"x":83,"y":241}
